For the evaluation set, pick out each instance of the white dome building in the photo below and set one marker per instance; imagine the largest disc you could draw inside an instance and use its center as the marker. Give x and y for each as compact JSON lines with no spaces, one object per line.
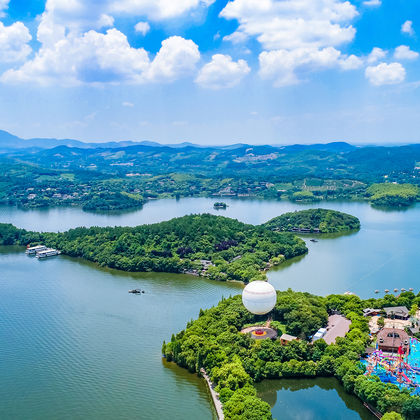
{"x":259,"y":297}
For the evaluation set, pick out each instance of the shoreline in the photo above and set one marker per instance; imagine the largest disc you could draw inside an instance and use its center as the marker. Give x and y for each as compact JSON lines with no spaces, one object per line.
{"x":214,"y":395}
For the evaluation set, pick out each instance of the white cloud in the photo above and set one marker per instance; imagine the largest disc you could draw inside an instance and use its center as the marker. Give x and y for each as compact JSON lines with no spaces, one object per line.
{"x":376,"y":55}
{"x":403,"y":52}
{"x":78,"y":16}
{"x":352,"y":62}
{"x":95,"y":58}
{"x":385,"y":74}
{"x":407,"y":27}
{"x":372,"y":3}
{"x":142,"y":28}
{"x":176,"y":58}
{"x":127,"y":104}
{"x":222,"y":72}
{"x":4,"y":4}
{"x":292,"y":24}
{"x":14,"y":42}
{"x":281,"y":65}
{"x":156,"y":9}
{"x":300,"y":35}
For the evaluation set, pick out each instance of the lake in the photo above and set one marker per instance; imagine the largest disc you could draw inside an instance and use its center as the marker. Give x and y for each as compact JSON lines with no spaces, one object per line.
{"x":74,"y":344}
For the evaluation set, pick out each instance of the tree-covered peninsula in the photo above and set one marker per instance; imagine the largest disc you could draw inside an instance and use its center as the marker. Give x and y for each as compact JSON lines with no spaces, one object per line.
{"x":314,"y":220}
{"x":212,"y":246}
{"x":393,"y":195}
{"x":234,"y":361}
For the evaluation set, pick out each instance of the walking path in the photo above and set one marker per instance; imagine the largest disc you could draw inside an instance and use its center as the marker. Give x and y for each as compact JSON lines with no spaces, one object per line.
{"x":214,"y":395}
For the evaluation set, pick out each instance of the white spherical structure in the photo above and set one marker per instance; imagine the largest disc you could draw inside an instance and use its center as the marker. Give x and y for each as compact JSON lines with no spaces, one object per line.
{"x":259,"y":297}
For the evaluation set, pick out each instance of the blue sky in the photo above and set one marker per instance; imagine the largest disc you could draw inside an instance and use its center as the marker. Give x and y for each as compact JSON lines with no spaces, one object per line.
{"x":211,"y":71}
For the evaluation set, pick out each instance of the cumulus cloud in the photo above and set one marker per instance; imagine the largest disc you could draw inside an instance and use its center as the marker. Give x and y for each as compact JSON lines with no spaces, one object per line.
{"x":289,"y":25}
{"x":142,"y":28}
{"x":155,"y":9}
{"x":14,"y":42}
{"x":385,"y":74}
{"x":376,"y":55}
{"x":222,"y":72}
{"x":281,"y":65}
{"x":352,"y":62}
{"x":77,"y":16}
{"x":297,"y":35}
{"x":372,"y":3}
{"x":176,"y":58}
{"x":4,"y":4}
{"x":403,"y":52}
{"x":407,"y":28}
{"x":96,"y":58}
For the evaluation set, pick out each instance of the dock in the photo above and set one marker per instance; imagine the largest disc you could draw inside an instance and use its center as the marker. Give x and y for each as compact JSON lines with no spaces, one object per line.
{"x":214,"y":395}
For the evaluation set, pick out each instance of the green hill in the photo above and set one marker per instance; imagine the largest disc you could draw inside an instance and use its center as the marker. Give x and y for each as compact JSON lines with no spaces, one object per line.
{"x":314,"y":220}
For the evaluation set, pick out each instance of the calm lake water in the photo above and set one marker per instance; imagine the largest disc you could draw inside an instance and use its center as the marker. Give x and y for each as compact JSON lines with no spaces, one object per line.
{"x":74,"y":344}
{"x":311,"y":399}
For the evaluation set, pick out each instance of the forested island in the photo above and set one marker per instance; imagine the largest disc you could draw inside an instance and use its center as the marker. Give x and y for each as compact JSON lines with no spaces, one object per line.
{"x":213,"y":246}
{"x":235,"y":361}
{"x":314,"y":221}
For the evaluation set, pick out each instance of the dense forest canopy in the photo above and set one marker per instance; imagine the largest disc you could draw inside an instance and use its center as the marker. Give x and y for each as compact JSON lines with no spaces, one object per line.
{"x":327,"y":221}
{"x":235,"y":361}
{"x":214,"y":246}
{"x":393,"y":194}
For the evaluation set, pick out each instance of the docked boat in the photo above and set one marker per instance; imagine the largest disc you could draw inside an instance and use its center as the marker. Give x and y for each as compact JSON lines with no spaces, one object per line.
{"x":32,"y":250}
{"x":49,"y":252}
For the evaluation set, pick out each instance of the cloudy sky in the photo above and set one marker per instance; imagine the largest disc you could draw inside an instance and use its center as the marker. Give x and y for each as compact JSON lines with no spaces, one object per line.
{"x":211,"y":71}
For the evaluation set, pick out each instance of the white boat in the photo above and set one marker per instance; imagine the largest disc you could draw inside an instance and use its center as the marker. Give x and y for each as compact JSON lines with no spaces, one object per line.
{"x":49,"y":252}
{"x":34,"y":249}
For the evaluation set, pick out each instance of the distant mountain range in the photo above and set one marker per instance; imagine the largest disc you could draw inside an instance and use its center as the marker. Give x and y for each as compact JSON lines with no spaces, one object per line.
{"x":9,"y":142}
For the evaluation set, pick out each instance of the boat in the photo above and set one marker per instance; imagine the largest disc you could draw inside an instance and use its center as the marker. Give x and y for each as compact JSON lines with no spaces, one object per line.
{"x":31,"y":250}
{"x":376,"y":291}
{"x":49,"y":252}
{"x":386,"y":290}
{"x":313,"y":240}
{"x":136,"y":291}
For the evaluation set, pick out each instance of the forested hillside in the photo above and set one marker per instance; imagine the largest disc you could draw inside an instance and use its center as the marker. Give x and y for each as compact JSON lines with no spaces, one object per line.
{"x":213,"y":246}
{"x":393,"y":194}
{"x":326,"y":221}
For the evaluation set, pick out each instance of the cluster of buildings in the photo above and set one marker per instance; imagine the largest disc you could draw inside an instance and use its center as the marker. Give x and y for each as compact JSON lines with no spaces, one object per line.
{"x":392,"y":336}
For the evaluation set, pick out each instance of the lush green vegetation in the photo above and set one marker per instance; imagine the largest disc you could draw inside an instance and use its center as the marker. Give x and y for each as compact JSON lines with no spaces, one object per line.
{"x":393,"y":194}
{"x":235,"y":361}
{"x":213,"y":246}
{"x":326,"y":221}
{"x":104,"y":201}
{"x":92,"y":177}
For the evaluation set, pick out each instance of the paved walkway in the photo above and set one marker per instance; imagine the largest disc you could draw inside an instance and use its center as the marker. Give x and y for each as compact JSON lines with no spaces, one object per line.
{"x":214,"y":395}
{"x":338,"y":326}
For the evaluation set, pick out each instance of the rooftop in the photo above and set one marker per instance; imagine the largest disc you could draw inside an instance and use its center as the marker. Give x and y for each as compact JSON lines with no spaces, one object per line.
{"x":392,"y":337}
{"x":397,"y":310}
{"x":288,"y":337}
